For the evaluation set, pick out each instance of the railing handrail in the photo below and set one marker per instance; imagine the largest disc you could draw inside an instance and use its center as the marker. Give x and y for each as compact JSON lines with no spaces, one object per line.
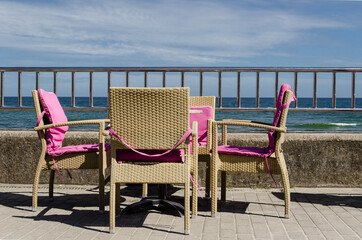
{"x":180,"y":69}
{"x":183,"y":70}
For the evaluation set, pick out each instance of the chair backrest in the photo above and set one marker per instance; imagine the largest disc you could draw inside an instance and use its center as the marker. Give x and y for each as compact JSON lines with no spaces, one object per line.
{"x":206,"y":104}
{"x":47,"y":105}
{"x":149,"y":118}
{"x":285,"y":97}
{"x":203,"y":101}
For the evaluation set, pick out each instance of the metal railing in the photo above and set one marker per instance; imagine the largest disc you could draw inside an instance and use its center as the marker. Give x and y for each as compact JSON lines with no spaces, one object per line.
{"x":182,"y":71}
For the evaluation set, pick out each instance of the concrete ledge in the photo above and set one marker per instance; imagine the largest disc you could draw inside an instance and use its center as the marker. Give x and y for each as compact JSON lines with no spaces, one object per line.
{"x":313,"y":159}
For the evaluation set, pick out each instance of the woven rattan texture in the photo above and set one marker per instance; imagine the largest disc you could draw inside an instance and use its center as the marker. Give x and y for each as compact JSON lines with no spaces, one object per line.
{"x":73,"y":161}
{"x":150,"y":172}
{"x":203,"y":101}
{"x":132,"y":120}
{"x":232,"y":163}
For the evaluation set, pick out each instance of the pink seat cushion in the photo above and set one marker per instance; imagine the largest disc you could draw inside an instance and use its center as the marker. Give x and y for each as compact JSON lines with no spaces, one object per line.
{"x":245,"y":151}
{"x":201,"y":115}
{"x":79,"y":149}
{"x":128,"y":155}
{"x":55,"y":114}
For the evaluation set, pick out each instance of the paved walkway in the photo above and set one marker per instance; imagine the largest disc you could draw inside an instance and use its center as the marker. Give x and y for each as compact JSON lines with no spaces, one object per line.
{"x":323,"y":213}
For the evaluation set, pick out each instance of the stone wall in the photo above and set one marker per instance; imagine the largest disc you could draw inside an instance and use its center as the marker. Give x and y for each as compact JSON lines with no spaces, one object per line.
{"x":313,"y":159}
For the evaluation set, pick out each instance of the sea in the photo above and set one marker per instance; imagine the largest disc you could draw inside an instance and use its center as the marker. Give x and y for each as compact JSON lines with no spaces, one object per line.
{"x":296,"y":121}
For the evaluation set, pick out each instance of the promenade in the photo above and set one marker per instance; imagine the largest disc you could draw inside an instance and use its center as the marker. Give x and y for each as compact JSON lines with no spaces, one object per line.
{"x":316,"y":213}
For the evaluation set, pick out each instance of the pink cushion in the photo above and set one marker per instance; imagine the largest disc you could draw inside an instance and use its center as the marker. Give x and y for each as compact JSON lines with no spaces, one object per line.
{"x":245,"y":151}
{"x":78,"y":149}
{"x":128,"y":155}
{"x":55,"y":114}
{"x":206,"y":112}
{"x":278,"y":105}
{"x":279,"y":102}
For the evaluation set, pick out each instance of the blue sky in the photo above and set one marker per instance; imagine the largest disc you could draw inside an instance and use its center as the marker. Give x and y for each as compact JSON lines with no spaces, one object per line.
{"x":212,"y":33}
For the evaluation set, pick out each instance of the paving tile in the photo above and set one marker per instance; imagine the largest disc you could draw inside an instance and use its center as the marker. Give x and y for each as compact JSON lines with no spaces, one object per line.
{"x":210,"y":236}
{"x":248,"y":214}
{"x":245,"y":236}
{"x":297,"y":235}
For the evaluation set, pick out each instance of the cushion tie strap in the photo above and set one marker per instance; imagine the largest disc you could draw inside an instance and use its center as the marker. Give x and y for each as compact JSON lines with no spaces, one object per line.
{"x":197,"y":186}
{"x":183,"y":138}
{"x":271,"y":175}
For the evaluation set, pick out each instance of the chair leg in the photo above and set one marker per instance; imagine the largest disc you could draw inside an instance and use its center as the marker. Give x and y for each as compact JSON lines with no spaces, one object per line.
{"x":213,"y":191}
{"x":194,"y":196}
{"x":101,"y":183}
{"x":144,"y":190}
{"x":207,"y":184}
{"x":51,"y":184}
{"x":35,"y":187}
{"x":187,"y":205}
{"x":118,"y":198}
{"x":112,"y":216}
{"x":286,"y":184}
{"x":223,"y":186}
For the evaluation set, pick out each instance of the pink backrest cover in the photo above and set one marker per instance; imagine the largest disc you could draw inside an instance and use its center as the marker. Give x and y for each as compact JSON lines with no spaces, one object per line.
{"x":201,"y":115}
{"x":55,"y":114}
{"x":279,"y":106}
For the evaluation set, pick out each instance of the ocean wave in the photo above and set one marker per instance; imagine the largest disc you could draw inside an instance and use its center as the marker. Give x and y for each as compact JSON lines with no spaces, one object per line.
{"x":326,"y":125}
{"x":344,"y":124}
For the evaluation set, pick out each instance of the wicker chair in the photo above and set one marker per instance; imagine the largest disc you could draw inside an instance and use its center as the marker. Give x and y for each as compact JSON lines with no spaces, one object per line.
{"x":227,"y":158}
{"x":91,"y":159}
{"x":203,"y":149}
{"x":149,"y":119}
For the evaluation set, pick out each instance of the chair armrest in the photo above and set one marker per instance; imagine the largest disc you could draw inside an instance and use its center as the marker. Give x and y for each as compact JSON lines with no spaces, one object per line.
{"x":246,"y":123}
{"x":249,"y":121}
{"x":82,"y":122}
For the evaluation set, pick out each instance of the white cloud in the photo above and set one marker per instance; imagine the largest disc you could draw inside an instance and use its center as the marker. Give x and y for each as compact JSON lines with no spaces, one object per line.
{"x":181,"y":32}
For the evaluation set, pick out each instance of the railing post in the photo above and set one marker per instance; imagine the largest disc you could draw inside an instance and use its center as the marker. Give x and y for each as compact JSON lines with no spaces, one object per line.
{"x":334,"y":91}
{"x":108,"y":86}
{"x":296,"y":89}
{"x":108,"y":92}
{"x":20,"y":104}
{"x":353,"y":97}
{"x":182,"y":79}
{"x":219,"y":92}
{"x":257,"y":89}
{"x":37,"y":80}
{"x":164,"y":79}
{"x":276,"y":87}
{"x":2,"y":89}
{"x":145,"y":80}
{"x":73,"y":89}
{"x":90,"y":89}
{"x":238,"y":91}
{"x":127,"y":79}
{"x":314,"y":89}
{"x":55,"y":83}
{"x":201,"y":83}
